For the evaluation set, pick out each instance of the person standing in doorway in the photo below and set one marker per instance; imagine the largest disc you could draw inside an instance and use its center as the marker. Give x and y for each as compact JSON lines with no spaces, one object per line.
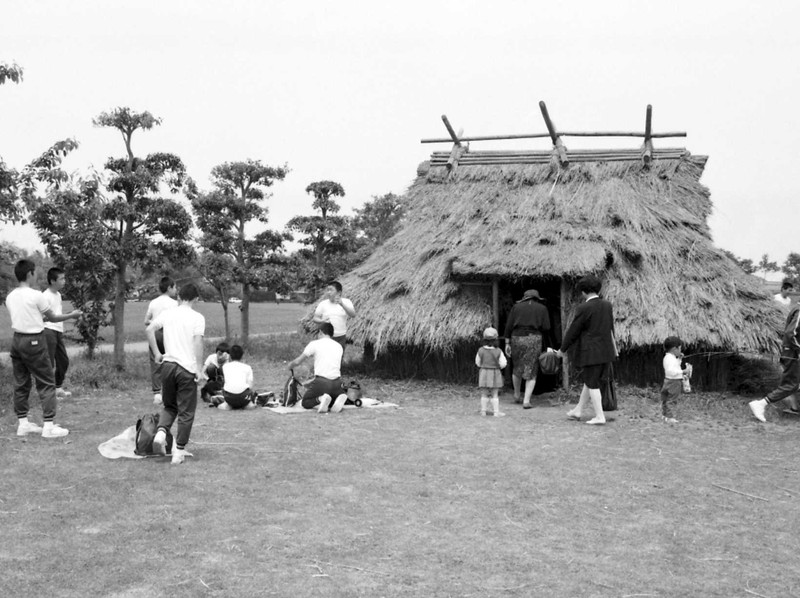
{"x":592,"y":334}
{"x":335,"y":309}
{"x":164,"y":301}
{"x":527,"y":327}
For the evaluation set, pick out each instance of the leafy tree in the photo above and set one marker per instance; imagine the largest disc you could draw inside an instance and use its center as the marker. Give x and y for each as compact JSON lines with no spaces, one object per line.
{"x":217,"y":269}
{"x":142,"y":226}
{"x":10,"y":72}
{"x":326,"y":234}
{"x":766,"y":266}
{"x":378,"y":219}
{"x":791,"y":268}
{"x":70,"y":225}
{"x":240,"y":189}
{"x":745,"y":264}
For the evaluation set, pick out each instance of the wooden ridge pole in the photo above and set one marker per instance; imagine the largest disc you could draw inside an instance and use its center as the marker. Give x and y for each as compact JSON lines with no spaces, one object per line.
{"x":647,"y":152}
{"x":458,"y":149}
{"x":558,"y":145}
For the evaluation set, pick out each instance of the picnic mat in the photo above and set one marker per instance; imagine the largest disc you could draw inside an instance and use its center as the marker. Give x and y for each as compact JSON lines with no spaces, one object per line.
{"x":122,"y":446}
{"x":365,"y":404}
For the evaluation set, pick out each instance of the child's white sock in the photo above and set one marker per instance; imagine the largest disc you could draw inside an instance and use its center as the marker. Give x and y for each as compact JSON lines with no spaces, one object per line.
{"x":484,"y":405}
{"x":496,"y":407}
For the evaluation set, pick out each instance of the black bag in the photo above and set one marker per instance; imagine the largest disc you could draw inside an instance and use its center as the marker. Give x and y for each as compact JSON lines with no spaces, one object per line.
{"x":291,"y":392}
{"x":549,"y":363}
{"x":608,"y":391}
{"x":146,"y":429}
{"x":354,"y":393}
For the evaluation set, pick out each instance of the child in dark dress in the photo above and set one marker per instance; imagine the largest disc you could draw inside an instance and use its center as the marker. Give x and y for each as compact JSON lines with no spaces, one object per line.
{"x":490,"y":360}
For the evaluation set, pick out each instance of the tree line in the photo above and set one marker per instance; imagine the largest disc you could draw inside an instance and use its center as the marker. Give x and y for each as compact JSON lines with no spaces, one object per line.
{"x":765,"y":266}
{"x":143,"y":216}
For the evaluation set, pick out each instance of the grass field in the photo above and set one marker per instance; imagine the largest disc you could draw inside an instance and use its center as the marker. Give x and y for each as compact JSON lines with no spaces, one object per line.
{"x":265,"y":318}
{"x":426,"y":500}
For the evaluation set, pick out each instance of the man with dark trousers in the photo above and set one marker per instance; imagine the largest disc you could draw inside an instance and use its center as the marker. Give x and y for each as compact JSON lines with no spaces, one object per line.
{"x":592,"y":334}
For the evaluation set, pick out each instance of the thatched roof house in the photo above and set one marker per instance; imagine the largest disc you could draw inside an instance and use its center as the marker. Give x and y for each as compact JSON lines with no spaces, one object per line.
{"x":475,"y":236}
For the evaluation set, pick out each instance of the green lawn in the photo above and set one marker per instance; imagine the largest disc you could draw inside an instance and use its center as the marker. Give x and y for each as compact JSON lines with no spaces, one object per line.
{"x":426,"y":500}
{"x":264,"y":318}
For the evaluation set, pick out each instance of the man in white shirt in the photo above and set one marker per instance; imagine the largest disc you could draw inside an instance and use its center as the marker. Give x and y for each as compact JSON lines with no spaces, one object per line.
{"x":335,"y":309}
{"x":54,"y":331}
{"x":326,"y":354}
{"x":29,"y":309}
{"x":783,"y":297}
{"x":182,"y":368}
{"x":164,"y":301}
{"x":238,"y":386}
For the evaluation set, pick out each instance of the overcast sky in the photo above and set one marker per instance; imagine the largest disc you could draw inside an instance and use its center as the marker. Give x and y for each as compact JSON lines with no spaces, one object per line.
{"x":345,"y":90}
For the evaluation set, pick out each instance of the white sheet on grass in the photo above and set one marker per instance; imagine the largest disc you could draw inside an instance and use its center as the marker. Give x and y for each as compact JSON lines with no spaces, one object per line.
{"x":366,"y":403}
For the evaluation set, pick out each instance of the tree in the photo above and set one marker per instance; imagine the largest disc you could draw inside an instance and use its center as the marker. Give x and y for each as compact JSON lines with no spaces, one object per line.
{"x":223,"y":214}
{"x":766,"y":266}
{"x":142,"y":226}
{"x":70,"y":225}
{"x":747,"y":265}
{"x":791,"y":269}
{"x":218,"y":269}
{"x":326,"y":234}
{"x":378,"y":219}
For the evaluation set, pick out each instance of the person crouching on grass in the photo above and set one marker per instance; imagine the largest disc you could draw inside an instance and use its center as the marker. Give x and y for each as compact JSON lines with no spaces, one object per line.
{"x":238,"y":384}
{"x":490,"y":360}
{"x":790,"y":378}
{"x":181,"y":370}
{"x":673,"y":378}
{"x":327,"y":383}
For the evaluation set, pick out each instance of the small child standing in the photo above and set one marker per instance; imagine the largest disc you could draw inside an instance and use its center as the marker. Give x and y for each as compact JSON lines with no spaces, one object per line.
{"x":673,"y":377}
{"x":238,"y":386}
{"x":490,"y":360}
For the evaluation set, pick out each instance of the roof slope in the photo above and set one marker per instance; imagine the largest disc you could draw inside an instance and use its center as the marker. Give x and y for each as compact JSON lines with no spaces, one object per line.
{"x":644,"y":230}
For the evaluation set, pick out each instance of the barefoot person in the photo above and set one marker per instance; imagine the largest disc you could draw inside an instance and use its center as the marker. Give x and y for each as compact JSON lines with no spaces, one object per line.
{"x":326,"y":354}
{"x":29,"y":310}
{"x":181,"y":368}
{"x":592,"y":334}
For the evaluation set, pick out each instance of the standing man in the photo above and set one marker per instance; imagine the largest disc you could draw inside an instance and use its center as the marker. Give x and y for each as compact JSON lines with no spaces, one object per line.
{"x":54,"y":331}
{"x":335,"y":309}
{"x":164,"y":301}
{"x":29,"y":309}
{"x":592,"y":333}
{"x":182,"y":368}
{"x":783,"y":297}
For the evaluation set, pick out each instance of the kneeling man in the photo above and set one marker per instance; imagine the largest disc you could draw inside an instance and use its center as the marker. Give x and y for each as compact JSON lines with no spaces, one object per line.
{"x":326,"y":354}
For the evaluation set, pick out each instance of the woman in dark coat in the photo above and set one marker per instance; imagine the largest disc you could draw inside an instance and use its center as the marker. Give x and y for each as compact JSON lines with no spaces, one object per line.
{"x":527,"y":327}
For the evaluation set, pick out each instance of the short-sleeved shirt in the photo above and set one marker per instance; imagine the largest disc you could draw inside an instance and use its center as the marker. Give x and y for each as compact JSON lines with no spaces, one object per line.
{"x":180,"y":324}
{"x":327,"y":355}
{"x":158,"y":305}
{"x":334,"y":313}
{"x":238,"y":377}
{"x":26,"y":307}
{"x":785,"y":301}
{"x":54,"y":301}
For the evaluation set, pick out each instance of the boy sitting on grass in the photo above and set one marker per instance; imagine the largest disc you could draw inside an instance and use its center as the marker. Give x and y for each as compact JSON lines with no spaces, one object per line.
{"x":213,"y":370}
{"x":237,"y":389}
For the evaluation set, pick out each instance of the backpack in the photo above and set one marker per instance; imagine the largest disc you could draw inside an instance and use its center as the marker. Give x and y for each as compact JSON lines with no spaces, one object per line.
{"x":291,"y":391}
{"x":146,"y":429}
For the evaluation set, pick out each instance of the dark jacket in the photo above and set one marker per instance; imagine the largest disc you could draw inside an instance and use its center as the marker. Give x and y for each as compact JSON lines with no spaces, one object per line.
{"x":791,"y":330}
{"x":591,"y":332}
{"x":528,"y":317}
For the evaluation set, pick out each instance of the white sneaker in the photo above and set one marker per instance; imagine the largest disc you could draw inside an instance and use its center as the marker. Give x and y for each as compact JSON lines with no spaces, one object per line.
{"x":573,"y":415}
{"x":339,"y":403}
{"x":157,"y":399}
{"x":499,"y":414}
{"x":54,"y":431}
{"x":758,"y":407}
{"x":62,"y":394}
{"x":324,"y":401}
{"x":178,"y":455}
{"x":597,"y":421}
{"x":160,"y":443}
{"x":224,"y":406}
{"x":28,"y":428}
{"x":670,"y":420}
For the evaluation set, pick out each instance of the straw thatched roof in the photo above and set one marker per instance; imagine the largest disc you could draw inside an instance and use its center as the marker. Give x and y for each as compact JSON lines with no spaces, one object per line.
{"x":644,"y":230}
